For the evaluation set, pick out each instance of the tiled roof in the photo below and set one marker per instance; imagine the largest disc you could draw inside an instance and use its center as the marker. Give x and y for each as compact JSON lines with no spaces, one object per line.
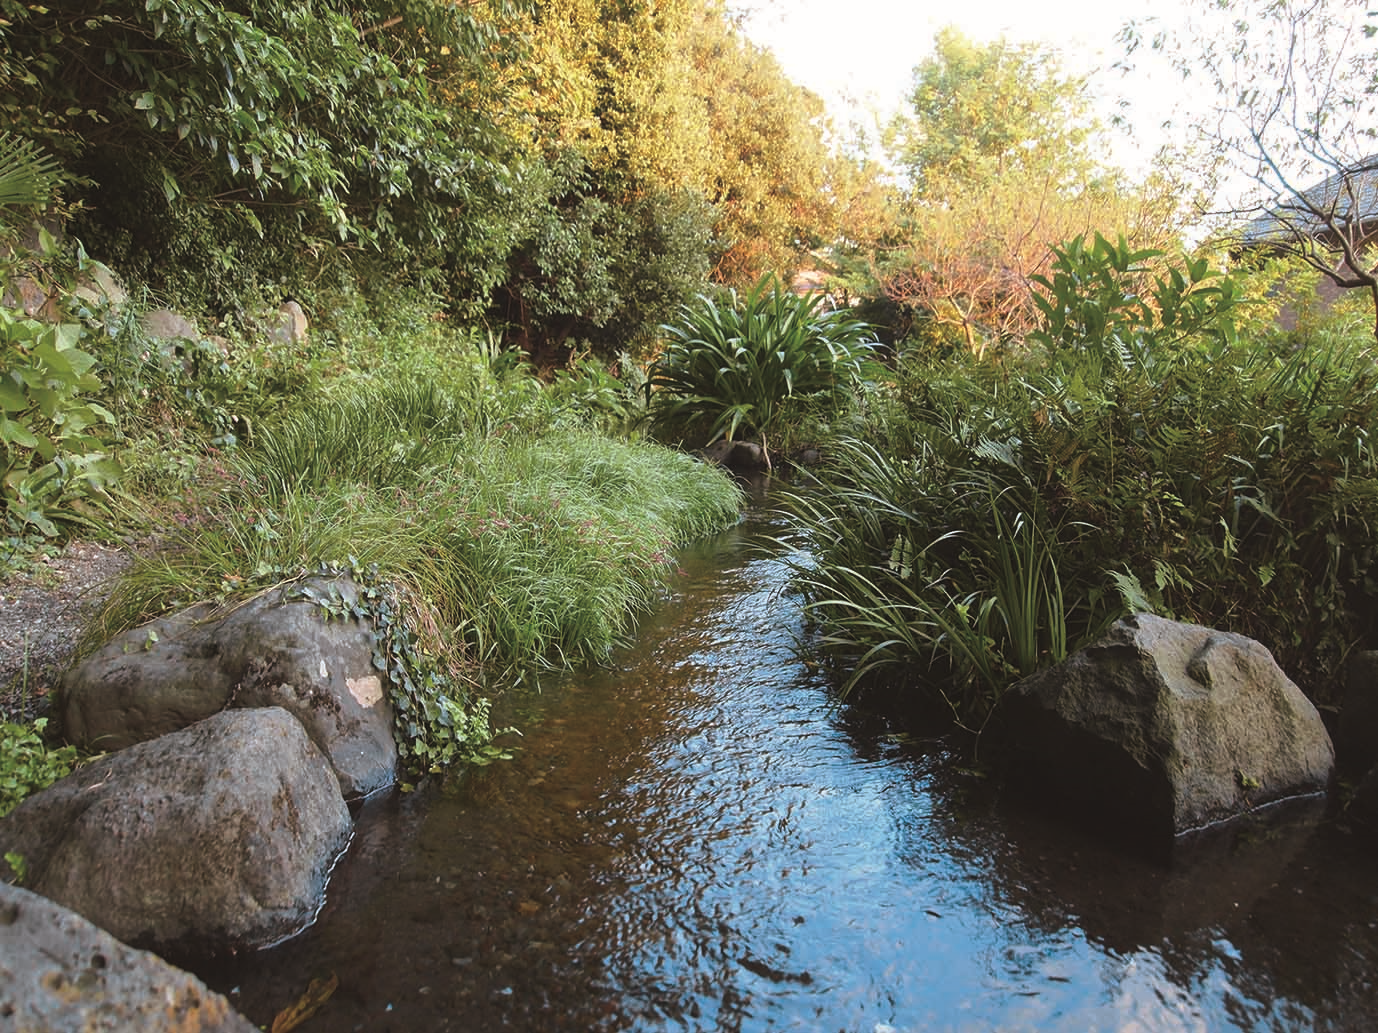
{"x":1357,"y":204}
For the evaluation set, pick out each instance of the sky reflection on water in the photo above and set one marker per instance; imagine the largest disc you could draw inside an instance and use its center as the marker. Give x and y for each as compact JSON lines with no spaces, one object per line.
{"x":700,"y":839}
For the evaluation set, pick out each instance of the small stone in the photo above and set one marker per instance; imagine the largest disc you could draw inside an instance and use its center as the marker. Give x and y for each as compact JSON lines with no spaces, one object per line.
{"x":166,"y":325}
{"x":288,"y":324}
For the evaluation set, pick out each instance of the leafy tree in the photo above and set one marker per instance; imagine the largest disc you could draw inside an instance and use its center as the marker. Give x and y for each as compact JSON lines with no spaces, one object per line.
{"x":769,"y":168}
{"x":612,"y":79}
{"x":998,"y":148}
{"x":612,"y":232}
{"x":660,"y":142}
{"x":1294,"y":116}
{"x":594,"y":266}
{"x":977,"y":112}
{"x":865,"y":210}
{"x":571,"y":166}
{"x":230,"y":116}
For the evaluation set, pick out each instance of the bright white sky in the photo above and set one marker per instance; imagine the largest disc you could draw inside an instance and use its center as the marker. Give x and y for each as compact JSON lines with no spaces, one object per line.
{"x":859,"y":55}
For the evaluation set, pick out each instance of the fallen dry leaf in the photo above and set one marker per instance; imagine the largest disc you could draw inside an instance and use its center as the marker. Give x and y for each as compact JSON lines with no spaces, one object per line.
{"x":317,"y":993}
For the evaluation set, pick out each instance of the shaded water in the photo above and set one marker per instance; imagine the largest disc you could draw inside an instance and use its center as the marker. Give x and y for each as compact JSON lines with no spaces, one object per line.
{"x":700,"y":839}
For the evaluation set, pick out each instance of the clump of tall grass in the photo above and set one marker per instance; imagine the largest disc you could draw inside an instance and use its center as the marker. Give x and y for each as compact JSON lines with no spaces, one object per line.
{"x":530,"y":549}
{"x":945,"y":577}
{"x":511,"y":547}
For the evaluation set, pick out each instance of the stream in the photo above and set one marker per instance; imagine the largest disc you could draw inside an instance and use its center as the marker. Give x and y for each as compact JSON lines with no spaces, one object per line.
{"x":700,"y":838}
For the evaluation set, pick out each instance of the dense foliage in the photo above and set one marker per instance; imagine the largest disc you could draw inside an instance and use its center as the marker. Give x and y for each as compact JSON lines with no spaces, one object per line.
{"x":1003,"y":162}
{"x":52,"y":447}
{"x":573,"y":168}
{"x":223,"y":144}
{"x":1138,"y":457}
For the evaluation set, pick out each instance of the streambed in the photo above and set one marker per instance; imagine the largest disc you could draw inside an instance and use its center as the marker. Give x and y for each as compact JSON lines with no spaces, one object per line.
{"x":699,"y":838}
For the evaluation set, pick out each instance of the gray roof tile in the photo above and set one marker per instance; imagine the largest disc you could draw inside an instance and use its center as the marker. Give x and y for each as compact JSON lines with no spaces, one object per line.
{"x":1357,"y":203}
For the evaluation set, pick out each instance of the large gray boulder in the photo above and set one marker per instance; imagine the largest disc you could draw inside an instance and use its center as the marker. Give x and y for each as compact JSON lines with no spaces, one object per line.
{"x":1169,"y":727}
{"x":215,"y":838}
{"x":273,"y":650}
{"x":58,"y":973}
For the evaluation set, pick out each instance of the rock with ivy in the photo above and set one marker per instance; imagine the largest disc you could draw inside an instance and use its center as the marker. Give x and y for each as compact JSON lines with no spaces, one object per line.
{"x":300,"y":646}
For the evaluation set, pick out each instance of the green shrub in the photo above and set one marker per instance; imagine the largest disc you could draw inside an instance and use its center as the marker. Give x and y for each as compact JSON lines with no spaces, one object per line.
{"x":735,"y":364}
{"x":52,"y":447}
{"x":942,"y":564}
{"x":591,"y":394}
{"x":593,"y":270}
{"x":248,"y":122}
{"x":52,"y":432}
{"x":28,"y":763}
{"x":1104,"y":304}
{"x":996,"y":517}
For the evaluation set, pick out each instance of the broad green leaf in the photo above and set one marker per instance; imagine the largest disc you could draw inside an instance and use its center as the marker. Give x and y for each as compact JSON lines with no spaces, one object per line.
{"x":66,"y":336}
{"x":14,"y":433}
{"x":12,"y":396}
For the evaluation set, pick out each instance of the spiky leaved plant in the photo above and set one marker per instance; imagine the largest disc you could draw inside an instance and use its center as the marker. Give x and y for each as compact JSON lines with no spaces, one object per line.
{"x":737,"y":362}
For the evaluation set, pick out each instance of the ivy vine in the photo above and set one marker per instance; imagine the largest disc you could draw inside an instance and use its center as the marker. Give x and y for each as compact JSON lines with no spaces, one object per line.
{"x":438,"y":722}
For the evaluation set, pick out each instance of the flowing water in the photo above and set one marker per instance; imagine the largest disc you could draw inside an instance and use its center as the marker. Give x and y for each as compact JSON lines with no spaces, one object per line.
{"x":700,"y":838}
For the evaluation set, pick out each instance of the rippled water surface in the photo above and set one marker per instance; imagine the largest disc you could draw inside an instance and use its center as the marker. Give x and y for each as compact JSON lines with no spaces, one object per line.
{"x":700,"y":839}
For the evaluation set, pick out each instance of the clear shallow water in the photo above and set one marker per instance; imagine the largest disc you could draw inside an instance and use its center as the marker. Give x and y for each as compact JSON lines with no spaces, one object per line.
{"x":700,"y":839}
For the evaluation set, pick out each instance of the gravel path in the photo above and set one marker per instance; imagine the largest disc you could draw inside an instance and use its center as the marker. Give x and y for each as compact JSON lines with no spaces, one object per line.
{"x":42,"y":616}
